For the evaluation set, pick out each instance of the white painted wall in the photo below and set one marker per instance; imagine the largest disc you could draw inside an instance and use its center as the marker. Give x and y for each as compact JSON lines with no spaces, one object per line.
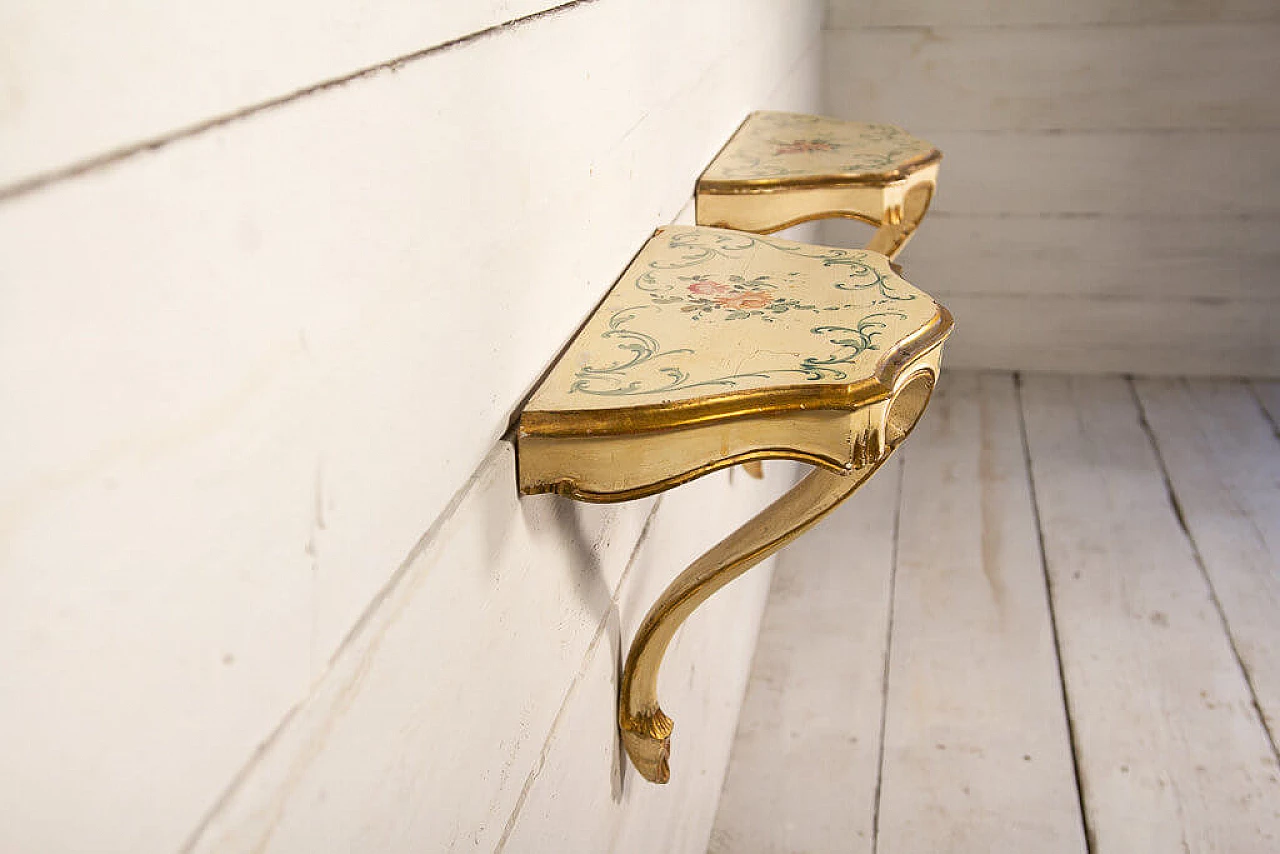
{"x":1110,"y":194}
{"x":264,"y":581}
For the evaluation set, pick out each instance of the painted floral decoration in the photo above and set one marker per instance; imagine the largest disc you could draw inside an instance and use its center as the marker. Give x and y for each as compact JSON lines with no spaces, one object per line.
{"x":802,"y":146}
{"x":736,"y":298}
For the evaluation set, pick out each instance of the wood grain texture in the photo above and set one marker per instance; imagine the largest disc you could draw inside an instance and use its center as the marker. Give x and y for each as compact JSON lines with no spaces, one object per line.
{"x":844,"y":14}
{"x":1210,"y":261}
{"x":805,"y":765}
{"x":1222,"y":457}
{"x":977,"y":756}
{"x":1171,"y":753}
{"x":1058,"y":78}
{"x":1144,"y":335}
{"x":1124,"y":173}
{"x":434,"y":735}
{"x":69,"y":93}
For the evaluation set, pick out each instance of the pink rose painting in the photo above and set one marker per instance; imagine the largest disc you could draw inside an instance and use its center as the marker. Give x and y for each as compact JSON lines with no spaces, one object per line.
{"x":706,"y":287}
{"x":735,"y":298}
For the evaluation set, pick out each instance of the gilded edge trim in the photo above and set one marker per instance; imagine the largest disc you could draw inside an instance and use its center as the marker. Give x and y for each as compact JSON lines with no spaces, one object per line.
{"x":832,"y":214}
{"x":722,"y":407}
{"x":568,"y":488}
{"x":783,"y":183}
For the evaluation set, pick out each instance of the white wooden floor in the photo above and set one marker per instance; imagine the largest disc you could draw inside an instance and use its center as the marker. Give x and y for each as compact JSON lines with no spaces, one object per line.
{"x":1053,"y":625}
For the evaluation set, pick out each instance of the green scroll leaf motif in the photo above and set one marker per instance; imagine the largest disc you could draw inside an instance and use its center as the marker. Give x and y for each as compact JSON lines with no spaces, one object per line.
{"x":698,"y":247}
{"x":635,"y":371}
{"x":612,"y":380}
{"x":854,"y":342}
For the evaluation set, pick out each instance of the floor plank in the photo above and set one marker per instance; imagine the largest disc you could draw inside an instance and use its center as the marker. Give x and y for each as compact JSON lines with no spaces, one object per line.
{"x":805,"y":760}
{"x":1171,"y":753}
{"x":977,"y":753}
{"x":1223,"y":460}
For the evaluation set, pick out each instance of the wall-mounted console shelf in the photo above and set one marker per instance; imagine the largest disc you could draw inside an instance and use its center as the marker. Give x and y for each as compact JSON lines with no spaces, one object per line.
{"x":718,"y":347}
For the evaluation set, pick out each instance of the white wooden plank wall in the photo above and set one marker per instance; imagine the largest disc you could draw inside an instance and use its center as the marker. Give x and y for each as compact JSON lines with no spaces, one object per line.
{"x":261,"y":322}
{"x":1102,"y":195}
{"x":84,"y":81}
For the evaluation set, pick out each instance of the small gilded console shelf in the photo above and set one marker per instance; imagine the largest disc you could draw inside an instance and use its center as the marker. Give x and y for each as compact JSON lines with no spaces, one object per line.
{"x":714,"y":348}
{"x":780,"y":169}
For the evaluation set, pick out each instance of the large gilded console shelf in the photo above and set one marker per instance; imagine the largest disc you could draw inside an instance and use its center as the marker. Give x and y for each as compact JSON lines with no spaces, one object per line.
{"x":780,"y":169}
{"x":718,"y":347}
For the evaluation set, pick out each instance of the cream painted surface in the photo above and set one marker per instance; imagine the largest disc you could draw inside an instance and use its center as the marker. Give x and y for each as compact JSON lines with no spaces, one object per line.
{"x":246,"y":372}
{"x":1087,"y":156}
{"x":733,"y":346}
{"x":771,"y":145}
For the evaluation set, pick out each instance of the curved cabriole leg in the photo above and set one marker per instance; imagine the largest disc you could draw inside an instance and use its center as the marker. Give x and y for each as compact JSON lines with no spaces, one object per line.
{"x":899,"y":224}
{"x":646,"y":731}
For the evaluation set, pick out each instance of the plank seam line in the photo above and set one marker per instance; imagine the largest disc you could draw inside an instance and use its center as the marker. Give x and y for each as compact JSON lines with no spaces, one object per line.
{"x":888,"y":650}
{"x":1262,"y":407}
{"x":1176,"y":505}
{"x":113,"y":156}
{"x":1089,"y":841}
{"x":510,"y":826}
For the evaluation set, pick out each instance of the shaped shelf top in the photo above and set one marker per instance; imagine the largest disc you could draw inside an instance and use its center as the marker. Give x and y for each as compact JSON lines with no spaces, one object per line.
{"x":771,"y":150}
{"x":708,"y":323}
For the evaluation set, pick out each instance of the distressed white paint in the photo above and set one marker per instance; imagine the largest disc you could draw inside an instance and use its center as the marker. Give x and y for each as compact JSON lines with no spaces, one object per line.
{"x":1172,"y":754}
{"x":976,"y":751}
{"x":433,"y":735}
{"x":1121,"y":153}
{"x":1098,"y":293}
{"x":806,"y":758}
{"x":1211,"y":261}
{"x":244,"y":374}
{"x":585,"y":795}
{"x":1060,"y":78}
{"x":1131,"y":174}
{"x":1164,"y":721}
{"x":1223,"y":460}
{"x":77,"y":80}
{"x":1101,"y":335}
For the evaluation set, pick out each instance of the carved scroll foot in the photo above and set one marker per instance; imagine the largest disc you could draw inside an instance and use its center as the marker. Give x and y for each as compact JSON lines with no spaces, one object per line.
{"x":646,"y":730}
